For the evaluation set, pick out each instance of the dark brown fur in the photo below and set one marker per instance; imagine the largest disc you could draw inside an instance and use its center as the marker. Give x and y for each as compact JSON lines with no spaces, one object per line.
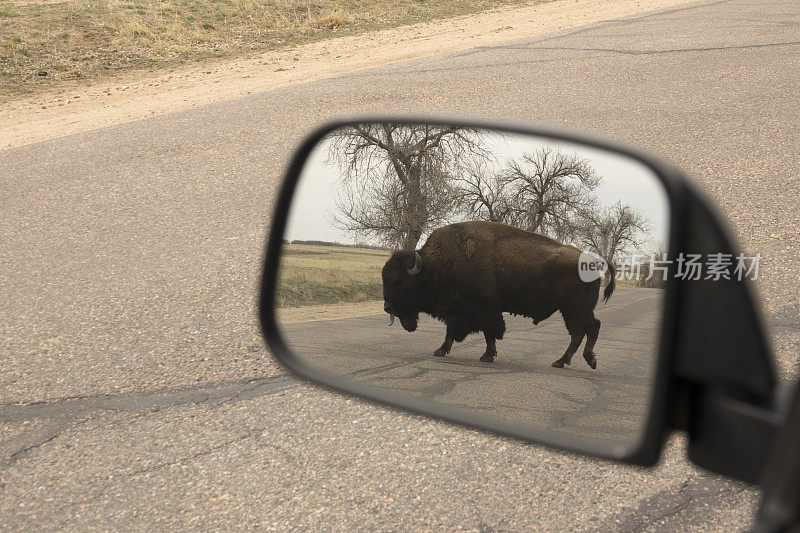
{"x":472,"y":272}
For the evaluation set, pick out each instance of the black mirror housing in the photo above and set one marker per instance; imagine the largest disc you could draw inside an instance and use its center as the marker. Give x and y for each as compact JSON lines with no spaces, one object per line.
{"x":725,"y":378}
{"x":715,"y":376}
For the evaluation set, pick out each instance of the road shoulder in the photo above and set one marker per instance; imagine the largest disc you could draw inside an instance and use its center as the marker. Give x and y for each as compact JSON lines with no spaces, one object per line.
{"x":135,"y":96}
{"x":314,"y":313}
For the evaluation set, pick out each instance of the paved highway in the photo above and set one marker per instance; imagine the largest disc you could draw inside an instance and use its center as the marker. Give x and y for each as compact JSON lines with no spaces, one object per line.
{"x":136,"y":392}
{"x":520,"y":387}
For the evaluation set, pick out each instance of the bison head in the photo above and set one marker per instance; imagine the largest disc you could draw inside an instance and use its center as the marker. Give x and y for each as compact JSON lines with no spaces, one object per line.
{"x":403,"y":277}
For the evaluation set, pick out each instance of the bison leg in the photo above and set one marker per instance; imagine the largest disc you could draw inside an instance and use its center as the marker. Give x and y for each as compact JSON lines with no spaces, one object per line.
{"x":592,"y":331}
{"x":493,"y":328}
{"x":444,"y":349}
{"x":491,"y":348}
{"x":577,"y":334}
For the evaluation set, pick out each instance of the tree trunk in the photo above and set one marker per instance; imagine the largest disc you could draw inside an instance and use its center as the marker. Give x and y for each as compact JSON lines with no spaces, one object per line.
{"x":411,"y":240}
{"x":416,"y":210}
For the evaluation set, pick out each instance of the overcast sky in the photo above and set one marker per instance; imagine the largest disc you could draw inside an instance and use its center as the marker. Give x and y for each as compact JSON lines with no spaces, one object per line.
{"x":623,"y":179}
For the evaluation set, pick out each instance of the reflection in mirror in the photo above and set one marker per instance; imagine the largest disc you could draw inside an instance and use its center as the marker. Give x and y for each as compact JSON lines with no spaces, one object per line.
{"x":504,"y":275}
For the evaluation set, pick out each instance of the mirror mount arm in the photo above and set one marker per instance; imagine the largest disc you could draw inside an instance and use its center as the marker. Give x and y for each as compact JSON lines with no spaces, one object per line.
{"x":780,"y":506}
{"x":727,"y":435}
{"x":724,"y":384}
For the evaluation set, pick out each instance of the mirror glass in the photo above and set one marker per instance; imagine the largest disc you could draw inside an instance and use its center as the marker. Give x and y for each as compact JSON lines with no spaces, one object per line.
{"x":514,"y":278}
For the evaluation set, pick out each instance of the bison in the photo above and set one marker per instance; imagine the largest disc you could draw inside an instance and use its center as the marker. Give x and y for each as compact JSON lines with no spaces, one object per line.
{"x":468,"y":274}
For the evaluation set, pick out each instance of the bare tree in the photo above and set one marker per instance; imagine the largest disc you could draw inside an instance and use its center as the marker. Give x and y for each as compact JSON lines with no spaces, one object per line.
{"x":483,"y":194}
{"x":654,"y":267}
{"x":397,"y":178}
{"x":549,"y":190}
{"x":613,"y":230}
{"x":543,"y":191}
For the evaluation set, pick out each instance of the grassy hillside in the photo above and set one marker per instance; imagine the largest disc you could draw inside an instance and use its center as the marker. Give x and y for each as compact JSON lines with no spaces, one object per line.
{"x":44,"y":42}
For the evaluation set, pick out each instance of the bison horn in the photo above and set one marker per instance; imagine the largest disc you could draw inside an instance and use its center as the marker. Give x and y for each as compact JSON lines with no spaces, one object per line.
{"x":391,"y":319}
{"x":413,"y":271}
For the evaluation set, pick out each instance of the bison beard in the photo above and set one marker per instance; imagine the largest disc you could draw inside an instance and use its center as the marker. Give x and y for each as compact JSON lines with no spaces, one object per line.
{"x":468,"y":274}
{"x":409,"y":324}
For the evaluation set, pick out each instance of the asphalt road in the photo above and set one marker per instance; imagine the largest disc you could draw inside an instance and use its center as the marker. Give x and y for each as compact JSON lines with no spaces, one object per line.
{"x":608,"y":405}
{"x":136,"y":392}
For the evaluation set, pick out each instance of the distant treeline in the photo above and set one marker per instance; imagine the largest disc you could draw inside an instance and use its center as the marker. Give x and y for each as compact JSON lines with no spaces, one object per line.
{"x":328,"y":243}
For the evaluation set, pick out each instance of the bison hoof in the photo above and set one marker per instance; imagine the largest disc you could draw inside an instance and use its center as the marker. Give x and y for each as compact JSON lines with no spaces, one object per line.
{"x":439,"y":353}
{"x":487,"y":358}
{"x":557,"y":364}
{"x":592,"y":363}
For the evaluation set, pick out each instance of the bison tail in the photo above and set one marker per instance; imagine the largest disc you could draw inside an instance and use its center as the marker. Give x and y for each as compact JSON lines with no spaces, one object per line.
{"x":612,"y":284}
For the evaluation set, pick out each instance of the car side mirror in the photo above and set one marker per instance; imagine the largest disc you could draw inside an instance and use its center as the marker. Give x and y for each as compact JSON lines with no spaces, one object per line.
{"x":508,"y":246}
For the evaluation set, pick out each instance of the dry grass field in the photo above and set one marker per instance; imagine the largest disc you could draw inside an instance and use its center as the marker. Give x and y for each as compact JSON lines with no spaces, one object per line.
{"x":43,"y":42}
{"x":313,"y":274}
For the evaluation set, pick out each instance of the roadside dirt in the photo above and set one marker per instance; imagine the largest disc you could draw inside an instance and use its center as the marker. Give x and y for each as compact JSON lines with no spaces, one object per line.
{"x":314,"y":313}
{"x":137,"y":95}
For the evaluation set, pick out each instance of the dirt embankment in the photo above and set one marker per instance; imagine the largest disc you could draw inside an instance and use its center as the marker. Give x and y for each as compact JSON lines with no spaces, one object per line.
{"x":134,"y":96}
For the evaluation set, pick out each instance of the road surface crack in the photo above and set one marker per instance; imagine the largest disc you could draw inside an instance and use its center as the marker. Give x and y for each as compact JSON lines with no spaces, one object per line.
{"x":664,"y":51}
{"x":22,"y":451}
{"x":192,"y":457}
{"x":673,"y":510}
